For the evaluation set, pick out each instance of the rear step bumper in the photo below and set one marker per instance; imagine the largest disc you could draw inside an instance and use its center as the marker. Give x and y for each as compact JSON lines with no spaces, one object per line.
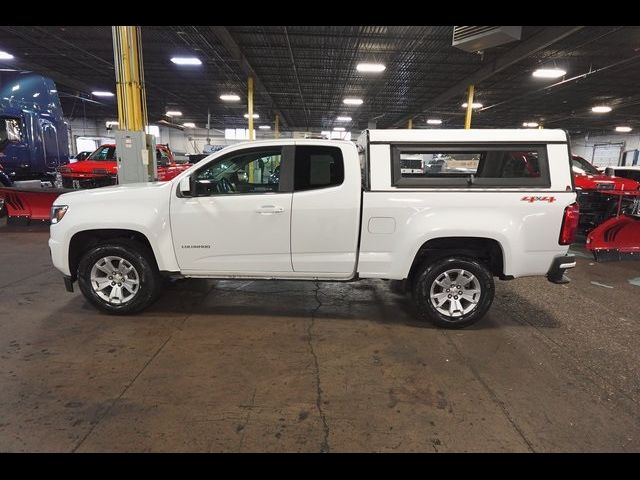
{"x":559,"y":266}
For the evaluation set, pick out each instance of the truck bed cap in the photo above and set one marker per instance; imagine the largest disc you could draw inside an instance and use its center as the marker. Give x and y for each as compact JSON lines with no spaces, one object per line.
{"x":472,"y":135}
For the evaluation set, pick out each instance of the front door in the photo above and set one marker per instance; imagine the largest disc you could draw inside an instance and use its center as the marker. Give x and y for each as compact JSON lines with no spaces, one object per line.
{"x":239,"y":220}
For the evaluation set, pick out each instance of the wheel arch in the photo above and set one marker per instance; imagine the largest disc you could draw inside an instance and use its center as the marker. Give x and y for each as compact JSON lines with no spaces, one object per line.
{"x":81,"y":242}
{"x":487,"y":251}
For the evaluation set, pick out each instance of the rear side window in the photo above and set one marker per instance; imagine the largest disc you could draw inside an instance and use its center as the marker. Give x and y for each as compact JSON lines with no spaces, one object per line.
{"x":318,"y":167}
{"x":484,"y":166}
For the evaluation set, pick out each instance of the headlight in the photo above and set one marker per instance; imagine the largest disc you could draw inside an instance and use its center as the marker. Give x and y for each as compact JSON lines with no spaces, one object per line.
{"x":57,"y":213}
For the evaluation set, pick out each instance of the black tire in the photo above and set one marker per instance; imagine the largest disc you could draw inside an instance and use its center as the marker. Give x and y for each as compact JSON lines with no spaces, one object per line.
{"x":428,"y":274}
{"x":149,"y":278}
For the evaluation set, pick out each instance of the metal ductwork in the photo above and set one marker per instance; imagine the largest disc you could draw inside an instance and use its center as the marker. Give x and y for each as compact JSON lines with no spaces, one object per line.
{"x":478,"y":38}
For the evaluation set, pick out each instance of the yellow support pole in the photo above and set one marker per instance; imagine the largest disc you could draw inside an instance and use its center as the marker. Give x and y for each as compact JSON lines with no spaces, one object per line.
{"x":131,"y":98}
{"x":467,"y":118}
{"x":277,"y":132}
{"x":250,"y":106}
{"x":410,"y":123}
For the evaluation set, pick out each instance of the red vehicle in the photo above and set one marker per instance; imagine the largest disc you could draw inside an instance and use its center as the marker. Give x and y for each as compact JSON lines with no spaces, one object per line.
{"x":618,"y":238}
{"x":596,"y":192}
{"x":100,"y":168}
{"x":587,"y":177}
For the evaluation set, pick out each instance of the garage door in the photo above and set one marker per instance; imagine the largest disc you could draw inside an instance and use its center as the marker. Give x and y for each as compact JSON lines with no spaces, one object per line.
{"x":605,"y":155}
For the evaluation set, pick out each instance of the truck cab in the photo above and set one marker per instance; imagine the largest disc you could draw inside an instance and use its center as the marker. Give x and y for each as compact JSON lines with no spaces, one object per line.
{"x":33,"y":135}
{"x":101,"y":168}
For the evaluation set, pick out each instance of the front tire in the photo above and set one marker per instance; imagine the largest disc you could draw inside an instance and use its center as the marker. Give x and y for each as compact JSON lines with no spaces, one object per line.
{"x":119,"y":277}
{"x":453,"y":292}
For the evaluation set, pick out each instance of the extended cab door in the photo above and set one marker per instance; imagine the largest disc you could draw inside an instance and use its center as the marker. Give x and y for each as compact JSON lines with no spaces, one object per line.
{"x":326,"y":209}
{"x":239,"y":220}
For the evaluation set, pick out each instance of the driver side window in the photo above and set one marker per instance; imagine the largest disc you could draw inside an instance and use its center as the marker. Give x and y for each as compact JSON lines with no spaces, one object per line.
{"x":256,"y":171}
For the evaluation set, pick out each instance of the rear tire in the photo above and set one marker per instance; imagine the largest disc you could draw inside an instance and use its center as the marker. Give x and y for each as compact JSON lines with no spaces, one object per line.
{"x":119,"y":277}
{"x":453,"y":292}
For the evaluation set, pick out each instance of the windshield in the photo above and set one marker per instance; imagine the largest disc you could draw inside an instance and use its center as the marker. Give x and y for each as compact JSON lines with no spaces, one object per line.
{"x":581,"y":166}
{"x":107,"y":153}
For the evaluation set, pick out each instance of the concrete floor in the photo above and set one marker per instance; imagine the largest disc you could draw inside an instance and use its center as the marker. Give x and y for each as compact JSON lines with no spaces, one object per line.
{"x":294,"y":366}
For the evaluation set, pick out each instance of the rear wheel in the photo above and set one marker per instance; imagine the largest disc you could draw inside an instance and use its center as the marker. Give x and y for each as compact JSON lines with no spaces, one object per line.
{"x":119,"y":277}
{"x":453,"y":292}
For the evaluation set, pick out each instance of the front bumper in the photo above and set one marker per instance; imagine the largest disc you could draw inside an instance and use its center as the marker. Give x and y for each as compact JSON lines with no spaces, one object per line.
{"x":559,"y":266}
{"x":59,"y":256}
{"x":88,"y":182}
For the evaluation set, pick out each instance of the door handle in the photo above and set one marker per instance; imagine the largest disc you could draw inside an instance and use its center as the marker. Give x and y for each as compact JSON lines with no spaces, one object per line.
{"x":269,"y":210}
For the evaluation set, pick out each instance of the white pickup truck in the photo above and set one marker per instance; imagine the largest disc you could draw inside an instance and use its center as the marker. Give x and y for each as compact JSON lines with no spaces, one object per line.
{"x":502,"y":205}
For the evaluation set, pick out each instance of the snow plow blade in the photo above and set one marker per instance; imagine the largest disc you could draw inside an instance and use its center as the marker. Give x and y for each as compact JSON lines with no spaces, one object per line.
{"x":25,"y":207}
{"x":616,"y":239}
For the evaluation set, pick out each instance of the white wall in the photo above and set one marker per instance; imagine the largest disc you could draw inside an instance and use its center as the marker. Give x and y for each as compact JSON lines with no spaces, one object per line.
{"x":182,"y":142}
{"x":582,"y":145}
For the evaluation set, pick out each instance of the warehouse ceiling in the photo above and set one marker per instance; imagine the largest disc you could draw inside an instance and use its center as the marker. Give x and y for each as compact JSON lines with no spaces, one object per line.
{"x":304,"y":73}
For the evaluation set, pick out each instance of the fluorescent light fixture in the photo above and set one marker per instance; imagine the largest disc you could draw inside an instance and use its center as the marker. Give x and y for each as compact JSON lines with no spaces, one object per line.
{"x":352,"y":101}
{"x":370,"y":67}
{"x":5,"y":56}
{"x":338,"y":129}
{"x":173,"y":113}
{"x":325,"y":132}
{"x":623,"y":129}
{"x":189,"y":125}
{"x":15,"y":87}
{"x":344,"y":119}
{"x":264,"y":127}
{"x":549,"y":73}
{"x":230,"y":97}
{"x":255,"y":115}
{"x":102,"y":94}
{"x":530,"y":124}
{"x":186,"y":61}
{"x":53,"y":91}
{"x":473,"y":105}
{"x":434,"y":121}
{"x":601,"y":109}
{"x":36,"y":95}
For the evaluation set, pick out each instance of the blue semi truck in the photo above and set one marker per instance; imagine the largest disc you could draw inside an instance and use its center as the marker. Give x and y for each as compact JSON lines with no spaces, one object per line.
{"x":33,"y":135}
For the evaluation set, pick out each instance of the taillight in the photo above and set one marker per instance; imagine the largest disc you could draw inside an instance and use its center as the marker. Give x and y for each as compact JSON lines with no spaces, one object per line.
{"x":569,"y":224}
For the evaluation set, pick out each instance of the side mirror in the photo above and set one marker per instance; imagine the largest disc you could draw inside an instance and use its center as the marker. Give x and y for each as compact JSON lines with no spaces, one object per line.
{"x":187,"y":187}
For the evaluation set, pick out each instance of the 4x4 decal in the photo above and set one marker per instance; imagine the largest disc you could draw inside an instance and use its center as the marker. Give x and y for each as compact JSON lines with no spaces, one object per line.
{"x":532,"y":199}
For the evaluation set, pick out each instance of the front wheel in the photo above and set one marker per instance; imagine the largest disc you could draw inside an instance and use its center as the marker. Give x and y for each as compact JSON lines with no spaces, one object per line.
{"x":119,"y":277}
{"x":453,"y":292}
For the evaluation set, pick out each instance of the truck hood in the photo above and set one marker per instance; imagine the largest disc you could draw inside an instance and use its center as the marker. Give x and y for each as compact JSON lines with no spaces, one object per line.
{"x":92,"y":167}
{"x":131,"y":192}
{"x":604,"y":182}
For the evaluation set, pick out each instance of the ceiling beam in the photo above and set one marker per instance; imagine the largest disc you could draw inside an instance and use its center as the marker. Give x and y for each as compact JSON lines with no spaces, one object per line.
{"x":58,"y":78}
{"x":523,"y":50}
{"x":234,"y":50}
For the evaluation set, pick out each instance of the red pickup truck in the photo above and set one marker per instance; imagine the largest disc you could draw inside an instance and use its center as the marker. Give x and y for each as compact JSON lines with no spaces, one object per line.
{"x":100,"y":168}
{"x":596,"y":201}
